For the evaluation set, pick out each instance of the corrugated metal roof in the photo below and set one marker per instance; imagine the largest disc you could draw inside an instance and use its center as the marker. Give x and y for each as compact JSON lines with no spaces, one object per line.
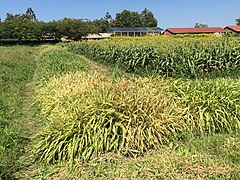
{"x":196,"y":30}
{"x":134,"y":29}
{"x":235,"y":28}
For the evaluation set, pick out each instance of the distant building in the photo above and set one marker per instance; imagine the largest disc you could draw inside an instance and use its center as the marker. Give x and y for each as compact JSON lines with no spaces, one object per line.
{"x":212,"y":30}
{"x":233,"y":29}
{"x":67,"y":39}
{"x":135,"y":31}
{"x":97,"y":36}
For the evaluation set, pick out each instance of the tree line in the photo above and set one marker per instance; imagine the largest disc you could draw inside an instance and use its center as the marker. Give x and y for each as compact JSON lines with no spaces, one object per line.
{"x":27,"y":27}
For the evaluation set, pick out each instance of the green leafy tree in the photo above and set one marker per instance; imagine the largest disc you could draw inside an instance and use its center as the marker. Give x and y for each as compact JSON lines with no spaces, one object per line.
{"x":7,"y":29}
{"x":136,"y":20}
{"x":128,"y":19}
{"x":199,"y":25}
{"x":102,"y":25}
{"x":148,"y":18}
{"x":133,"y":19}
{"x":25,"y":30}
{"x":10,"y":16}
{"x":74,"y":27}
{"x":238,"y":21}
{"x":108,"y":17}
{"x":123,"y":19}
{"x":27,"y":27}
{"x":30,"y":14}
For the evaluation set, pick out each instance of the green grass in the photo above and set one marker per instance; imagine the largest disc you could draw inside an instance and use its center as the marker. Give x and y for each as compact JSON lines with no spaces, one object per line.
{"x":16,"y":70}
{"x":55,"y":61}
{"x":180,"y":118}
{"x":205,"y":157}
{"x":67,"y":80}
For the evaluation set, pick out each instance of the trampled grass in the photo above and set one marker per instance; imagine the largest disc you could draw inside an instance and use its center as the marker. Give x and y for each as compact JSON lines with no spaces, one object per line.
{"x":17,"y":65}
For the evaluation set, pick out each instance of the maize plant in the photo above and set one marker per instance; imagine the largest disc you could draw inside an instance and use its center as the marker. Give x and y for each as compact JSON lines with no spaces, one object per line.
{"x":167,"y":56}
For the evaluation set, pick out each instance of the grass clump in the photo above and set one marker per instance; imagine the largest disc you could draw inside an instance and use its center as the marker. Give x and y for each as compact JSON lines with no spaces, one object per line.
{"x":210,"y":106}
{"x":205,"y":157}
{"x":86,"y":118}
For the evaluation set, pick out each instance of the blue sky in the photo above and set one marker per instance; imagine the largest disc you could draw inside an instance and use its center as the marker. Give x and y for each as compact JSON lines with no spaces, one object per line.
{"x":169,"y":13}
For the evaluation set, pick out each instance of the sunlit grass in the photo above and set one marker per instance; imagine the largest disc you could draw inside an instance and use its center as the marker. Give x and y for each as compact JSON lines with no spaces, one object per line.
{"x":16,"y":69}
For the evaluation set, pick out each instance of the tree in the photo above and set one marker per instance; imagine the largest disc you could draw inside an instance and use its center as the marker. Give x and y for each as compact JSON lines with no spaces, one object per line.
{"x":101,"y":24}
{"x":238,"y":21}
{"x":108,"y":17}
{"x":31,"y":15}
{"x":133,"y":19}
{"x":123,"y":19}
{"x":10,"y":16}
{"x":148,"y":19}
{"x":73,"y":27}
{"x":199,"y":25}
{"x":136,"y":20}
{"x":128,"y":19}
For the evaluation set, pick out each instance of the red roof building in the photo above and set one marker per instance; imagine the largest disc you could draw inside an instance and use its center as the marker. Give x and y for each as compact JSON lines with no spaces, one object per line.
{"x":233,"y":29}
{"x":211,"y":30}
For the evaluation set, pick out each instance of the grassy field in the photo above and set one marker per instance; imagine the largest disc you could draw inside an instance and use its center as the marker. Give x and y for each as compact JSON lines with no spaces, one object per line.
{"x":17,"y":66}
{"x":130,"y":127}
{"x":206,"y":157}
{"x":99,"y":122}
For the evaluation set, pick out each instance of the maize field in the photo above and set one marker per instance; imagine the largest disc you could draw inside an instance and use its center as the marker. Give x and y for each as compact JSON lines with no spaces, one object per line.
{"x":88,"y":114}
{"x":184,"y":57}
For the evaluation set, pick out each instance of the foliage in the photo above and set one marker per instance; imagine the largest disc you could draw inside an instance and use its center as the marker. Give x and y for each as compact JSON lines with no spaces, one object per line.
{"x":72,"y":27}
{"x":27,"y":27}
{"x":31,"y":14}
{"x":20,"y":29}
{"x":133,"y":19}
{"x":98,"y":118}
{"x":102,"y":25}
{"x":148,"y":18}
{"x":199,"y":25}
{"x":238,"y":21}
{"x":16,"y":69}
{"x":187,"y":57}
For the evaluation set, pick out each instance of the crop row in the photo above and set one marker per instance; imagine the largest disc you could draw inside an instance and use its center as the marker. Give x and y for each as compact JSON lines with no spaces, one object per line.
{"x":172,"y":57}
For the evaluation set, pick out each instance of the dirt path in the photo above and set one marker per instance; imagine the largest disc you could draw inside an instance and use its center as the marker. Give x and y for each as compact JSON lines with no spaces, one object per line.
{"x":95,"y":66}
{"x":30,"y":125}
{"x":28,"y":122}
{"x":109,"y":71}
